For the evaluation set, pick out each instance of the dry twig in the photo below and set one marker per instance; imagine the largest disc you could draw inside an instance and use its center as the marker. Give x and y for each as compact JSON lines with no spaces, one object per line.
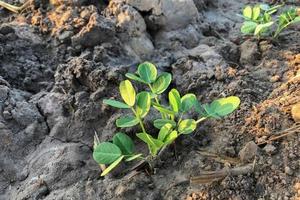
{"x":286,"y":132}
{"x":220,"y":158}
{"x":15,"y":9}
{"x":208,"y":177}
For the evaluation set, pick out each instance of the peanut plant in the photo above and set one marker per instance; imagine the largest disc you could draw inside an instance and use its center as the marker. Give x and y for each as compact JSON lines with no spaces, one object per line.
{"x":171,"y":125}
{"x":259,"y":21}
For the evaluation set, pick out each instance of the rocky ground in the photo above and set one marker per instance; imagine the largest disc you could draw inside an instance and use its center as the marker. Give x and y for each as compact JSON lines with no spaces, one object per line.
{"x":59,"y":59}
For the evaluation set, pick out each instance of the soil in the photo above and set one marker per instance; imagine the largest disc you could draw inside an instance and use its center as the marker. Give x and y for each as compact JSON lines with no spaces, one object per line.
{"x":59,"y":59}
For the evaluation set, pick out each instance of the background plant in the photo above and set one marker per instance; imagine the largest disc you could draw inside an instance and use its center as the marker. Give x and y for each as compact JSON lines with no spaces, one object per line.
{"x":171,"y":125}
{"x":286,"y":19}
{"x":259,"y":21}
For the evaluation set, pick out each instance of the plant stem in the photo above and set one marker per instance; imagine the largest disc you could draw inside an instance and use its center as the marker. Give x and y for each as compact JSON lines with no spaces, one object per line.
{"x":201,"y":119}
{"x":140,"y":120}
{"x":156,"y":100}
{"x":280,"y":29}
{"x":15,"y":9}
{"x":10,"y":7}
{"x":180,"y":118}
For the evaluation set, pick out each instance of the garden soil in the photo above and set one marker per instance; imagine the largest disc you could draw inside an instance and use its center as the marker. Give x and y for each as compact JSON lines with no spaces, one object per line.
{"x":60,"y":59}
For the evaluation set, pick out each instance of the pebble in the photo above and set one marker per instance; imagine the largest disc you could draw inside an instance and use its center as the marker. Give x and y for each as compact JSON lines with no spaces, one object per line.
{"x":248,"y":152}
{"x":7,"y":115}
{"x":269,"y":149}
{"x":275,"y":78}
{"x":296,"y":112}
{"x":65,"y":35}
{"x":230,"y":150}
{"x":288,"y":170}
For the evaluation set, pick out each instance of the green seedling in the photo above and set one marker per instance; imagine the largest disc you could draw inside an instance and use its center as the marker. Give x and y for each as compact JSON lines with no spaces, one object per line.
{"x":113,"y":153}
{"x":147,"y":74}
{"x":259,"y":21}
{"x":286,"y":19}
{"x":171,"y":125}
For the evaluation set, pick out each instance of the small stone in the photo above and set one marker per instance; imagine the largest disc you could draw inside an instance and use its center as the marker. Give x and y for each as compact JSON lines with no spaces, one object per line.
{"x":208,"y":167}
{"x":261,"y":139}
{"x":249,"y":52}
{"x":270,"y":149}
{"x":3,"y":92}
{"x":296,"y":112}
{"x":248,"y":152}
{"x":7,"y":115}
{"x":85,"y":14}
{"x":288,"y":170}
{"x":151,"y":186}
{"x":270,"y":179}
{"x":292,"y":155}
{"x":230,"y":150}
{"x":275,"y":78}
{"x":65,"y":35}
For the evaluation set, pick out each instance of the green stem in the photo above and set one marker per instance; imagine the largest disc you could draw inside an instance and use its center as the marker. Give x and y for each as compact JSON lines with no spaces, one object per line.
{"x":201,"y":119}
{"x":278,"y":31}
{"x":156,"y":100}
{"x":140,"y":157}
{"x":140,"y":120}
{"x":180,"y":118}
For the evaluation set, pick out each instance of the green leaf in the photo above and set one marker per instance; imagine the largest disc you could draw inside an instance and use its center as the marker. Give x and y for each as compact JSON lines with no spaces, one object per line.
{"x":164,"y":132}
{"x":274,"y":9}
{"x":174,"y":100}
{"x":187,"y":102}
{"x":153,"y":144}
{"x":143,"y":104}
{"x":127,"y":92}
{"x":267,"y":17}
{"x":296,"y":20}
{"x":262,"y":28}
{"x":210,"y":112}
{"x":147,"y":72}
{"x":162,"y":83}
{"x":224,"y":106}
{"x":264,"y":6}
{"x":187,"y":126}
{"x":256,"y":12}
{"x":170,"y":138}
{"x":112,"y":166}
{"x":133,"y":157}
{"x":199,"y":108}
{"x":106,"y":153}
{"x":124,"y":142}
{"x":115,"y":103}
{"x":127,"y":121}
{"x":247,"y":12}
{"x":163,"y":110}
{"x":134,"y":77}
{"x":159,"y":123}
{"x":248,"y":27}
{"x":283,"y":20}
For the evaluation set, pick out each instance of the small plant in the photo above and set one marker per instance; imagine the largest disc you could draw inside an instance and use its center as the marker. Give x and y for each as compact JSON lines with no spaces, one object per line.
{"x":171,"y":125}
{"x":259,"y":21}
{"x":287,"y":18}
